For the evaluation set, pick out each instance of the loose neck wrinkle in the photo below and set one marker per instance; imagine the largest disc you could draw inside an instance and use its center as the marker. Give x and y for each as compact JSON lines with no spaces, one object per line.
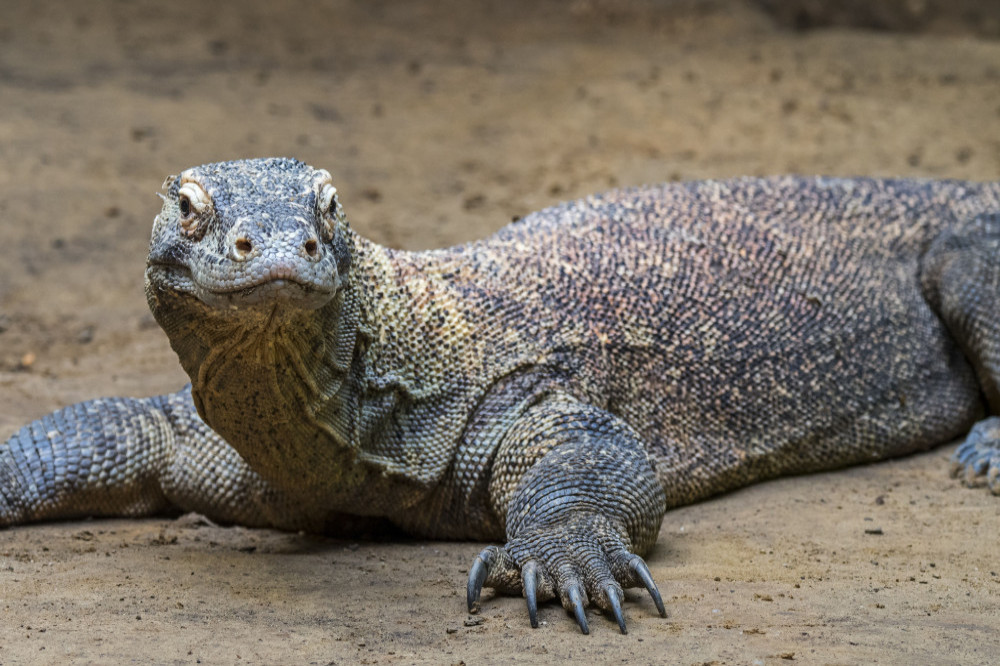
{"x":305,"y":395}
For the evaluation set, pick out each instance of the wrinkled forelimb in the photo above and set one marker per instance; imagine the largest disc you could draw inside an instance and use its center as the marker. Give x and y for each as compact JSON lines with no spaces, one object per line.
{"x":582,"y":505}
{"x":134,"y":457}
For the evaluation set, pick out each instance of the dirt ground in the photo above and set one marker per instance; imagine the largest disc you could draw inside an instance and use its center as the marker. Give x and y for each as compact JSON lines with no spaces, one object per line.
{"x":440,"y":123}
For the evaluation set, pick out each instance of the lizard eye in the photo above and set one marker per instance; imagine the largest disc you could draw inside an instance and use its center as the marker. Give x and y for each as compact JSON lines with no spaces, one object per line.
{"x":193,"y":203}
{"x":326,"y":201}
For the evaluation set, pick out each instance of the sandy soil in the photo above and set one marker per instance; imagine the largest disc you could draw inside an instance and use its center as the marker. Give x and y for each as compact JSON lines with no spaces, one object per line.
{"x":440,"y":125}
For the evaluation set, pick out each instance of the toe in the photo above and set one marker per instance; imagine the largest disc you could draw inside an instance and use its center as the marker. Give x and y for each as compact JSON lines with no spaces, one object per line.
{"x":641,"y":571}
{"x":494,"y":568}
{"x":976,"y":461}
{"x":613,"y":596}
{"x":575,"y":599}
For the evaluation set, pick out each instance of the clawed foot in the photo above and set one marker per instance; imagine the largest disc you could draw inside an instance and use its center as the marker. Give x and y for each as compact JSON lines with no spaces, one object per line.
{"x":583,"y":562}
{"x":977,"y":459}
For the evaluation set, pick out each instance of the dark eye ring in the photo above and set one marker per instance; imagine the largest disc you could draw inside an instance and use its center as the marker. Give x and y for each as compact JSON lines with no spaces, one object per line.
{"x":185,"y":205}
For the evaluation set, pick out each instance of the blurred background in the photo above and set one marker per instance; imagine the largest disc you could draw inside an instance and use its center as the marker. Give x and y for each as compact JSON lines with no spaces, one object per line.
{"x":440,"y":122}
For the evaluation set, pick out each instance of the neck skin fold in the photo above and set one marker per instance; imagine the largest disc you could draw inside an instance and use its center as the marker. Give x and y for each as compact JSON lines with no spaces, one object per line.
{"x":305,"y":396}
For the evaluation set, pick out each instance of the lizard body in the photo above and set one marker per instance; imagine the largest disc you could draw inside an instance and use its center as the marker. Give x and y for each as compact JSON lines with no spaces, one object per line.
{"x":557,"y":386}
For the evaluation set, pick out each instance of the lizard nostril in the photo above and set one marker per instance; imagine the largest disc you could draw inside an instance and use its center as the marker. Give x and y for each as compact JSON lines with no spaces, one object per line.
{"x":244,"y":246}
{"x":311,"y":247}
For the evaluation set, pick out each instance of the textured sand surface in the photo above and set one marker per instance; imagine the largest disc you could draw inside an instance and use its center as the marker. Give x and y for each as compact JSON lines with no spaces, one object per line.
{"x":440,"y":123}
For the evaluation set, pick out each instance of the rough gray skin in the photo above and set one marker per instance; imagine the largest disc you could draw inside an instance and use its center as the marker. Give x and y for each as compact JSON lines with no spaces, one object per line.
{"x":557,"y":386}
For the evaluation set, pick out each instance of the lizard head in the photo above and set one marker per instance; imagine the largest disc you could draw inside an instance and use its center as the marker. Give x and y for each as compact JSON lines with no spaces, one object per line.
{"x":252,"y":235}
{"x":247,"y":275}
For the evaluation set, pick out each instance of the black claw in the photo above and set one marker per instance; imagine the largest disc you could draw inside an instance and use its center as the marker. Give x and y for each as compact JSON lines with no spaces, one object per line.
{"x":529,"y":578}
{"x":639,"y":566}
{"x":581,"y":617}
{"x":477,"y":576}
{"x":616,"y":606}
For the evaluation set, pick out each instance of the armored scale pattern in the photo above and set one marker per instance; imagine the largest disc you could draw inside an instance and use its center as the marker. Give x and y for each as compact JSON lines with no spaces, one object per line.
{"x":557,"y":386}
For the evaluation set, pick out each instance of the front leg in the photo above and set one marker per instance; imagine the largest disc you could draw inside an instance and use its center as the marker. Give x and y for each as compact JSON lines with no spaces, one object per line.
{"x":138,"y":457}
{"x":96,"y":458}
{"x":582,"y":504}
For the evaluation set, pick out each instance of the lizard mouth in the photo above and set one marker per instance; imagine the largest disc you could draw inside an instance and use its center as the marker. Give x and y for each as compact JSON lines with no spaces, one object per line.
{"x":274,"y":288}
{"x":270,"y":291}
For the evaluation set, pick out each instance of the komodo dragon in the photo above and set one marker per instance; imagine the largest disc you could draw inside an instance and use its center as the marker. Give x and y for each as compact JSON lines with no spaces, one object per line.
{"x":557,"y":386}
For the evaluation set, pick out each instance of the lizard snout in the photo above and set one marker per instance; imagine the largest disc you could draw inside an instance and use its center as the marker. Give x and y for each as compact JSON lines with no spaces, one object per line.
{"x":269,"y":262}
{"x":247,"y":243}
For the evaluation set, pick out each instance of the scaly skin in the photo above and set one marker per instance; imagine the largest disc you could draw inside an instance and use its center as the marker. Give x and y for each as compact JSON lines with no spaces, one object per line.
{"x":557,"y":386}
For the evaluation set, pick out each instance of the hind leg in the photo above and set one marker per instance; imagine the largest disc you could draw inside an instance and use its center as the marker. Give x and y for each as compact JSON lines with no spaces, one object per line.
{"x":961,"y":279}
